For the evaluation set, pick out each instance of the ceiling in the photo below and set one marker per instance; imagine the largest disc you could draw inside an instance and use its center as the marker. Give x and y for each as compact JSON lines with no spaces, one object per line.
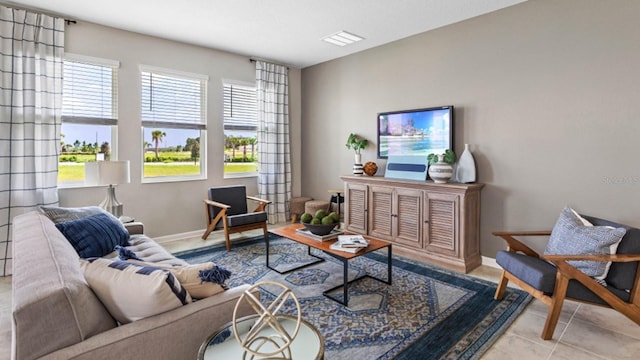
{"x":283,"y":31}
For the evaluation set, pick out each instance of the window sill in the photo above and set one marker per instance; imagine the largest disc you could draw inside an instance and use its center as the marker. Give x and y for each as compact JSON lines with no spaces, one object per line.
{"x":168,"y":179}
{"x":240,"y":175}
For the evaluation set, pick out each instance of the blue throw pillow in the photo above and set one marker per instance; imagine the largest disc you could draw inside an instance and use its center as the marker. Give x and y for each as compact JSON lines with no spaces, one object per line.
{"x":96,"y":235}
{"x":574,"y":235}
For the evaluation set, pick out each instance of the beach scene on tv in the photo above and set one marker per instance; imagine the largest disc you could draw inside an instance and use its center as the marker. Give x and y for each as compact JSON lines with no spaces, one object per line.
{"x":414,"y":133}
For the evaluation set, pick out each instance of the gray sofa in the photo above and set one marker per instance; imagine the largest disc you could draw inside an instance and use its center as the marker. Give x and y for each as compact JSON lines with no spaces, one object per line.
{"x":56,"y":315}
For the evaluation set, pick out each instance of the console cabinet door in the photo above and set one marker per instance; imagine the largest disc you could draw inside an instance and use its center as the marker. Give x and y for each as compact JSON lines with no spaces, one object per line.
{"x":407,"y":217}
{"x":381,"y":212}
{"x":441,"y":218}
{"x":357,"y":207}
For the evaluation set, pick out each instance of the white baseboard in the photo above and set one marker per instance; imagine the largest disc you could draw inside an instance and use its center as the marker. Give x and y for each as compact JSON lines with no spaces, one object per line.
{"x":491,"y":262}
{"x":180,"y":236}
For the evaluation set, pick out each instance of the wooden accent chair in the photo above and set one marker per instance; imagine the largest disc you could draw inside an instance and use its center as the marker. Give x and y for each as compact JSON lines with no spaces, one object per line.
{"x":227,"y":209}
{"x":551,"y":279}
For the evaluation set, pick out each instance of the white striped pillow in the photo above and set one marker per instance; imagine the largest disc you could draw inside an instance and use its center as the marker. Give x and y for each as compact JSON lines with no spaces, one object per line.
{"x":132,"y":292}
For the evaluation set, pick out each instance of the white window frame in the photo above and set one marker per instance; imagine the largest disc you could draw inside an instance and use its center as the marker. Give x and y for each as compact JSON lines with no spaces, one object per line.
{"x":80,"y":120}
{"x":202,"y":125}
{"x":241,"y":84}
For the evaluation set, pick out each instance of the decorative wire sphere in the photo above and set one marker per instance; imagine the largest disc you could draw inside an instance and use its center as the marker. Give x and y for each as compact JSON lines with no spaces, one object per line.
{"x":253,"y":341}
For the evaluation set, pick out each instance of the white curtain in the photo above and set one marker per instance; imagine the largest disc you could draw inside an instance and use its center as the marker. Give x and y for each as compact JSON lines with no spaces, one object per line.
{"x":274,"y":164}
{"x":32,"y":46}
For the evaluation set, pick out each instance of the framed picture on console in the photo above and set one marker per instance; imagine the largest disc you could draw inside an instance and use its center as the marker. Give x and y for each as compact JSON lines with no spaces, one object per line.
{"x":417,"y":132}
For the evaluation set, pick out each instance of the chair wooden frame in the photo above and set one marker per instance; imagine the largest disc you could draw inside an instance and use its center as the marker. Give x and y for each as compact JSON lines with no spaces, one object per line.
{"x":566,"y":272}
{"x":222,"y":215}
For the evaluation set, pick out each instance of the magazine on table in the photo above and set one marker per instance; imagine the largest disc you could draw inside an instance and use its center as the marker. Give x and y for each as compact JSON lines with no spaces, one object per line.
{"x":352,"y":241}
{"x":332,"y":235}
{"x":336,"y":246}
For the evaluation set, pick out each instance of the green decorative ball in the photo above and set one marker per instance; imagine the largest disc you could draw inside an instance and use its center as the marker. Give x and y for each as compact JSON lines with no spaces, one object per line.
{"x":327,"y":220}
{"x":306,"y":218}
{"x":320,"y":214}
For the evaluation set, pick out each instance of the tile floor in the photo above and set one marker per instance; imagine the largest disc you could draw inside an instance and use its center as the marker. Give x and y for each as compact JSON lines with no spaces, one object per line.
{"x":584,"y":332}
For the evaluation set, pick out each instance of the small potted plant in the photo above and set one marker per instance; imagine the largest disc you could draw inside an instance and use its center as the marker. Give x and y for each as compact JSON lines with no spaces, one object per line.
{"x":441,"y":166}
{"x":357,"y":144}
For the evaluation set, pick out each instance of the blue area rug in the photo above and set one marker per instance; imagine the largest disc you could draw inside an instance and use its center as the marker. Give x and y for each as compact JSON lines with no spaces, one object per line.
{"x":427,"y":313}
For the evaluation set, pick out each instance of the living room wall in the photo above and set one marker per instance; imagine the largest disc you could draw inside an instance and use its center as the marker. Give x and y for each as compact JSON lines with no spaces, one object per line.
{"x":171,"y":207}
{"x":546,"y":94}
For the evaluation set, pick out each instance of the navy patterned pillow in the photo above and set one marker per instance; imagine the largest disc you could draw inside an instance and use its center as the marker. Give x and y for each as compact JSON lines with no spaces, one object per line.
{"x":96,"y":235}
{"x":574,"y":235}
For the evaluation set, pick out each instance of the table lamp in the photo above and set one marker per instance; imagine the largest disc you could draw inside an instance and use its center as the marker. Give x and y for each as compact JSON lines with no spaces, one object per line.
{"x":108,"y":173}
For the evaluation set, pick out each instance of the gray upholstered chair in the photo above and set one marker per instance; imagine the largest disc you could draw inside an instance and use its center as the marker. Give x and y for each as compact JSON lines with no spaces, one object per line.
{"x":227,"y":209}
{"x":551,"y":279}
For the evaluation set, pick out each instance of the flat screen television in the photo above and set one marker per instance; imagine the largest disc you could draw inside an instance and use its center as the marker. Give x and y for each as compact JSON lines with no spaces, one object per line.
{"x":415,"y":132}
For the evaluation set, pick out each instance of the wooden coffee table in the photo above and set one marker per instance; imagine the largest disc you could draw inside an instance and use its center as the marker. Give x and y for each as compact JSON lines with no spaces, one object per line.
{"x":290,"y":233}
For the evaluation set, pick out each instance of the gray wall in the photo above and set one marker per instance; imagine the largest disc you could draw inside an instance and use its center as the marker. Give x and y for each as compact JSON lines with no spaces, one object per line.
{"x":175,"y":207}
{"x":546,"y":93}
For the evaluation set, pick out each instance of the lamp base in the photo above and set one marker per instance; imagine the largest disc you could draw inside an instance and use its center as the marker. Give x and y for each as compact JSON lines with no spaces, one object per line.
{"x":111,"y":204}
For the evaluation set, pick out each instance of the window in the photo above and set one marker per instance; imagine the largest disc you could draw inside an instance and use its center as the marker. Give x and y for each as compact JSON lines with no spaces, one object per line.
{"x":89,"y":115}
{"x":173,"y":124}
{"x":240,"y":130}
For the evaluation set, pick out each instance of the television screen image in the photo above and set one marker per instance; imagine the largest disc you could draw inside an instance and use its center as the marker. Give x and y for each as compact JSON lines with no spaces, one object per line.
{"x":415,"y":132}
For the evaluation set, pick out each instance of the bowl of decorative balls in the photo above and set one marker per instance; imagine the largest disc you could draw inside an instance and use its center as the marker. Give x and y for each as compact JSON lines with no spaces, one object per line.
{"x":320,"y":223}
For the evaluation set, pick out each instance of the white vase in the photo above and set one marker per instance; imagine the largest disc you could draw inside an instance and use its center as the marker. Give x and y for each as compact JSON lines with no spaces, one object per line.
{"x":357,"y":165}
{"x":466,"y":169}
{"x":440,"y":172}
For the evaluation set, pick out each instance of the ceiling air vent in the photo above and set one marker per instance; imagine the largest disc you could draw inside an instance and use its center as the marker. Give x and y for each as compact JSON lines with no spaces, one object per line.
{"x":342,"y":38}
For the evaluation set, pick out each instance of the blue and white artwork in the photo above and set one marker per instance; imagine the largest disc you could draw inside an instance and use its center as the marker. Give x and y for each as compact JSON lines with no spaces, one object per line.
{"x":407,"y":167}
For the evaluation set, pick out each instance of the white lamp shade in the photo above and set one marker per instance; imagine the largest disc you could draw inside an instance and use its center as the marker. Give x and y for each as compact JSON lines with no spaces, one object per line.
{"x":107,"y":172}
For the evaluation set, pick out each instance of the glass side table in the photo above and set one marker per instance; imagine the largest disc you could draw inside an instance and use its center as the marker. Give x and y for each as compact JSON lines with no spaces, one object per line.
{"x":308,"y":344}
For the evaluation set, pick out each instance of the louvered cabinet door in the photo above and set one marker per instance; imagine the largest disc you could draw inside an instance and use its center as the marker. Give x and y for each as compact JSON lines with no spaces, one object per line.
{"x":407,"y":215}
{"x":356,"y":207}
{"x":441,"y":223}
{"x":381,"y":211}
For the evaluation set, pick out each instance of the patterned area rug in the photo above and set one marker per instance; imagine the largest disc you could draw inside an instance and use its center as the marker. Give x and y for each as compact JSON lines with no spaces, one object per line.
{"x":427,"y":313}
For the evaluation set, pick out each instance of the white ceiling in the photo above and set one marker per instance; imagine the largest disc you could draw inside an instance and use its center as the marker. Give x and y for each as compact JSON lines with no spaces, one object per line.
{"x":284,"y":31}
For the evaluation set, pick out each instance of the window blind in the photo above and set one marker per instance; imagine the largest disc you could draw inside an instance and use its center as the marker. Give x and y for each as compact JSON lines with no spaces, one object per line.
{"x":172,"y":101}
{"x":89,"y":93}
{"x":240,"y":107}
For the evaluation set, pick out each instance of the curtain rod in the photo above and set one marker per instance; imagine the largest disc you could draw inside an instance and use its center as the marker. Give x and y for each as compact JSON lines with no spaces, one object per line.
{"x":39,"y":11}
{"x":251,"y":59}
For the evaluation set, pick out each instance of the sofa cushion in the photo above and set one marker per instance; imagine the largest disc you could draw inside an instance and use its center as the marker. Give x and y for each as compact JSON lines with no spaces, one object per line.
{"x":52,"y":305}
{"x":150,"y":251}
{"x":574,"y":235}
{"x":189,"y":276}
{"x":132,"y":292}
{"x":95,"y":235}
{"x":61,"y":214}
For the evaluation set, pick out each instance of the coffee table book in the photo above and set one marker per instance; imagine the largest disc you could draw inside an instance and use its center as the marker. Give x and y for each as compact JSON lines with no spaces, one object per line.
{"x":337,"y":246}
{"x":332,"y":235}
{"x":350,"y":241}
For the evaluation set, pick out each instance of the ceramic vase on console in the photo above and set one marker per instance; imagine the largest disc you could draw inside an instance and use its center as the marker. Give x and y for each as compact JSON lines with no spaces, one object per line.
{"x":466,"y":169}
{"x":357,"y":165}
{"x":440,"y":172}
